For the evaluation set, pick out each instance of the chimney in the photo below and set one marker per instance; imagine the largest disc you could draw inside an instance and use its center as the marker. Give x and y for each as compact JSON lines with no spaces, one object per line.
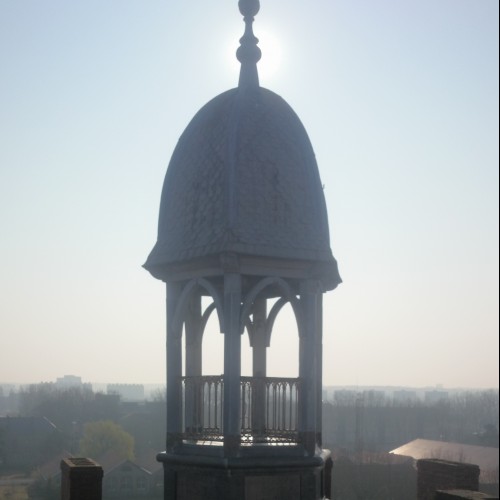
{"x":81,"y":479}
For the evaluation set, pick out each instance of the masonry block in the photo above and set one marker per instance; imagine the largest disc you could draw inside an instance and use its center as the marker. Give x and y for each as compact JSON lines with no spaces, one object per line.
{"x":434,"y":475}
{"x":81,"y":479}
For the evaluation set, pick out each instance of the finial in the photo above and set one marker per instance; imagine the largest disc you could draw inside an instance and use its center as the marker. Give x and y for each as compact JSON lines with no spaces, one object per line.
{"x":248,"y":53}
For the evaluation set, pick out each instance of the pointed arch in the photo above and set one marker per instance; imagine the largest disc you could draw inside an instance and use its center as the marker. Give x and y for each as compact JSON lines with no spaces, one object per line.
{"x":184,"y":298}
{"x":206,"y":315}
{"x":273,"y":313}
{"x":287,"y":293}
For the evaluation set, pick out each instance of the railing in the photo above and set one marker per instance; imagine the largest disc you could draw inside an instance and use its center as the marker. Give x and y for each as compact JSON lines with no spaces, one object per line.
{"x":269,"y":409}
{"x":203,"y":403}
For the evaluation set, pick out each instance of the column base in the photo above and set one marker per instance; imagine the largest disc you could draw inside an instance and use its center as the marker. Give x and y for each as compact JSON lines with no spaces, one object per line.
{"x":246,"y":478}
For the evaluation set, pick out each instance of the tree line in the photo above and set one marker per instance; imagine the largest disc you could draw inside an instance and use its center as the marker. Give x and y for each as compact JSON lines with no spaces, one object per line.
{"x":382,"y":423}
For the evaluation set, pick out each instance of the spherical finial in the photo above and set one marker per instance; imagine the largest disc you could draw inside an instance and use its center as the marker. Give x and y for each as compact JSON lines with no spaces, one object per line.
{"x":248,"y":53}
{"x":249,"y":8}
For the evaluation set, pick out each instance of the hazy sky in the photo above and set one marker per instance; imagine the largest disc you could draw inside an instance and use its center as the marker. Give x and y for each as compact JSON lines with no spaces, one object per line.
{"x":400,"y":100}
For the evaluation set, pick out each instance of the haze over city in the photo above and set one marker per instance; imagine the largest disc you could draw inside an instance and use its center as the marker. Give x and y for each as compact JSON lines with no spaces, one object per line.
{"x":400,"y":101}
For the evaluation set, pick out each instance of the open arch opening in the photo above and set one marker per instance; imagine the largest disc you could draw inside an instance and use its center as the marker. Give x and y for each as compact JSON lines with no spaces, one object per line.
{"x":246,"y":355}
{"x":212,"y":342}
{"x":183,"y":350}
{"x":283,"y":350}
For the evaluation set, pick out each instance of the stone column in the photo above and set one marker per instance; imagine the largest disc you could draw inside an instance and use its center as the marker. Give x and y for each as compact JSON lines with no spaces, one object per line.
{"x":194,"y":338}
{"x":308,"y":369}
{"x":193,"y":394}
{"x":259,"y":348}
{"x":232,"y":363}
{"x":174,"y":367}
{"x":259,"y":341}
{"x":319,"y":371}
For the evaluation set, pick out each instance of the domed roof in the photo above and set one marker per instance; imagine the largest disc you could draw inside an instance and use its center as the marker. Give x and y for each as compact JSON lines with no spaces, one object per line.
{"x":244,"y":179}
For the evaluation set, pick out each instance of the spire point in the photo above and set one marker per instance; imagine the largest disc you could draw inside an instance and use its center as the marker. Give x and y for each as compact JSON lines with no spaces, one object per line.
{"x":248,"y":53}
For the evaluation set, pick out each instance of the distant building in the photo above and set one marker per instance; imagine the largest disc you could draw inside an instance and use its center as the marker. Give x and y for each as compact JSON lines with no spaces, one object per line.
{"x":432,"y":397}
{"x":127,"y":479}
{"x":127,"y":392}
{"x":69,"y":381}
{"x":373,"y":397}
{"x":404,"y":396}
{"x":141,"y":477}
{"x":484,"y":457}
{"x":344,"y":396}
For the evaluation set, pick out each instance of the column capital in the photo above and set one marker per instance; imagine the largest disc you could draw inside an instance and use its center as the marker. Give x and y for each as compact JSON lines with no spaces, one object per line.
{"x":229,"y":262}
{"x":311,"y":286}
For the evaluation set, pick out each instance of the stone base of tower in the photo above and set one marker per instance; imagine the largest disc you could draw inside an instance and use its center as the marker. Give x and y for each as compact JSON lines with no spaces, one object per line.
{"x":247,"y":478}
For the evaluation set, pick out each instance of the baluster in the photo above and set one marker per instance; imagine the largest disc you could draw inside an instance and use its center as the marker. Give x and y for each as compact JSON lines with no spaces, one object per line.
{"x":283,"y":406}
{"x":279,"y":390}
{"x":275,"y":407}
{"x":198,"y":395}
{"x":207,"y":403}
{"x":242,"y":404}
{"x":214,"y":406}
{"x":220,"y":399}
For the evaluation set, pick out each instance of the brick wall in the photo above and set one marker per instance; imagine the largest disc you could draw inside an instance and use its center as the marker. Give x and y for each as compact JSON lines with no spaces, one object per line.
{"x":462,"y":495}
{"x":436,"y":475}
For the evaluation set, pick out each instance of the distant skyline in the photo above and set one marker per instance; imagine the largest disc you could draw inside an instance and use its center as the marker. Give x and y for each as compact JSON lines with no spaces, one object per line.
{"x":400,"y":101}
{"x":101,"y":386}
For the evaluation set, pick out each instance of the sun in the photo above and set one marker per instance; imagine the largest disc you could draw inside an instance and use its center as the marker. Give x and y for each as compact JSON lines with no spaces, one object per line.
{"x":272,"y":56}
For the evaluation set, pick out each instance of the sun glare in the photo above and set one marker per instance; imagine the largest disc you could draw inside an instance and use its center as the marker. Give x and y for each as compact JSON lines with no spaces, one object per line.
{"x":271,"y":62}
{"x":272,"y":57}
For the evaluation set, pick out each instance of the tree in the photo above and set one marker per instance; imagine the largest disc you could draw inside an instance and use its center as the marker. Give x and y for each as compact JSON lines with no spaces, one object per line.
{"x":66,"y":406}
{"x":159,"y":395}
{"x":103,"y":436}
